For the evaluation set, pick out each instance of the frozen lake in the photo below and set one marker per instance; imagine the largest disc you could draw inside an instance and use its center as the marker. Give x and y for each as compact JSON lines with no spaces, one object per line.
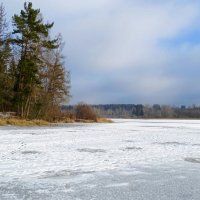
{"x":125,"y":160}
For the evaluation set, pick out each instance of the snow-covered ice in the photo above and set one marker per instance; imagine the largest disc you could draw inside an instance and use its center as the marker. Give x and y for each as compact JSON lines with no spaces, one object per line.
{"x":128,"y":159}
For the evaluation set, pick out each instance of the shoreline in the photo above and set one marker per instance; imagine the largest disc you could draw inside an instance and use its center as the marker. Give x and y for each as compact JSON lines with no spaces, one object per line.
{"x":11,"y":121}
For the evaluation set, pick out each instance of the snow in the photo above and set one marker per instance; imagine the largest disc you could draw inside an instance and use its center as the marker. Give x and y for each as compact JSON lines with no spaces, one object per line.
{"x":42,"y":158}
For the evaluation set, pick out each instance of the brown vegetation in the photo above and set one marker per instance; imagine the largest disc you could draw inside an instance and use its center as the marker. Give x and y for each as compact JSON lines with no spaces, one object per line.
{"x":85,"y":112}
{"x":22,"y":122}
{"x":104,"y":120}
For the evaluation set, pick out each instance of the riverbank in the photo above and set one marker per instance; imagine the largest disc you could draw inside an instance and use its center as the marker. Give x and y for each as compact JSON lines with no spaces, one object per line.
{"x":24,"y":122}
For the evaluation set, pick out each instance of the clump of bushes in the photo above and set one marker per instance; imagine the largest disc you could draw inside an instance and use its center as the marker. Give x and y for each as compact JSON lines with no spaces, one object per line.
{"x":85,"y":112}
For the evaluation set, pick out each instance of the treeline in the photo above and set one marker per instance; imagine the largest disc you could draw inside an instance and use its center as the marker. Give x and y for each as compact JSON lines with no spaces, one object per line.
{"x":120,"y":110}
{"x":33,"y":79}
{"x":182,"y":112}
{"x":111,"y":110}
{"x":142,"y":111}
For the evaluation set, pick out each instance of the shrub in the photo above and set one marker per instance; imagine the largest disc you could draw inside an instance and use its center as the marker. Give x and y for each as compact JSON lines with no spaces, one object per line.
{"x":84,"y":111}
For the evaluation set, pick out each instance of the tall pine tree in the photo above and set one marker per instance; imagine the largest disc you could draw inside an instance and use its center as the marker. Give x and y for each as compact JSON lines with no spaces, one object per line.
{"x":31,"y":36}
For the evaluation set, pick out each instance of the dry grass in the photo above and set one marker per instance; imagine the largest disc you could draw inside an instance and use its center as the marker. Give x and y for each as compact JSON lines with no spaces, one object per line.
{"x":104,"y":120}
{"x":22,"y":122}
{"x":84,"y":121}
{"x":2,"y":122}
{"x":98,"y":120}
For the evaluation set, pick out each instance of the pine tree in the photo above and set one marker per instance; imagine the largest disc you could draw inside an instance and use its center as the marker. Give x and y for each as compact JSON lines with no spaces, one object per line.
{"x":31,"y":37}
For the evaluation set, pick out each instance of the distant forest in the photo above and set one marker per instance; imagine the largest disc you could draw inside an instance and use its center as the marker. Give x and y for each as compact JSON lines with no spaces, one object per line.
{"x":142,"y":111}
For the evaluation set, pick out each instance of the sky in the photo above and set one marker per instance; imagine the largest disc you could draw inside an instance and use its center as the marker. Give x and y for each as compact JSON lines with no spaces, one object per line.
{"x":127,"y":51}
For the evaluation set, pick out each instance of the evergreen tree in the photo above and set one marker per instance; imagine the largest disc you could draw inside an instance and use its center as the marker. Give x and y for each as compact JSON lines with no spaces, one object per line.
{"x":31,"y":36}
{"x":5,"y":57}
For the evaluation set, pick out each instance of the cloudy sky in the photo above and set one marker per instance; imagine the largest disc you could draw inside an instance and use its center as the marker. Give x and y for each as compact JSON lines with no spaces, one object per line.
{"x":127,"y":51}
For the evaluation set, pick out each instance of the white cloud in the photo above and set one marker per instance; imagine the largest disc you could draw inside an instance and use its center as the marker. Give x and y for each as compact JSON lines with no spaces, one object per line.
{"x":130,"y":36}
{"x":72,"y":7}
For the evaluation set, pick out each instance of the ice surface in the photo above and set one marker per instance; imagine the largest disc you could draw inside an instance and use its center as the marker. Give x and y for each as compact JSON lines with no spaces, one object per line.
{"x":102,"y":161}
